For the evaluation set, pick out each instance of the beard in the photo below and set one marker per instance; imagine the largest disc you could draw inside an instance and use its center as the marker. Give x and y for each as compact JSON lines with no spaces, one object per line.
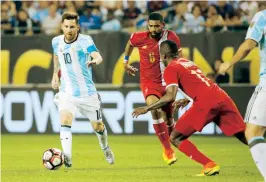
{"x":69,"y":37}
{"x":156,"y":34}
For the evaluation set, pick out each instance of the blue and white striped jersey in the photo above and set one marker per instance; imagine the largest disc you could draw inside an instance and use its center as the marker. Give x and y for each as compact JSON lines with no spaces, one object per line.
{"x":76,"y":77}
{"x":257,"y":32}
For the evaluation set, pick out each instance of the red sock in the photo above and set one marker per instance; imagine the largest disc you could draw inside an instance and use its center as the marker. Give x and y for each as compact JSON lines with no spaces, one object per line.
{"x":162,"y":133}
{"x":192,"y":152}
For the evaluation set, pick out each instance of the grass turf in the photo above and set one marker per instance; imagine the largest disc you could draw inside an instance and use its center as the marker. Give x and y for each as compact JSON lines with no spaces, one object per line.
{"x":138,"y":158}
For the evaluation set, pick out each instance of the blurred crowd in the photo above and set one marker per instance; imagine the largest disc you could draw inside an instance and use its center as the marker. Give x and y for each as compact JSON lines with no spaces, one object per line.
{"x":34,"y":17}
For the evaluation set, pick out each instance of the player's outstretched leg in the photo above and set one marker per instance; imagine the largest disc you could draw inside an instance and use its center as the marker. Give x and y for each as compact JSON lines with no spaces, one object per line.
{"x":169,"y":118}
{"x":101,"y":133}
{"x":180,"y":141}
{"x":257,"y":145}
{"x":161,"y":131}
{"x":66,"y":136}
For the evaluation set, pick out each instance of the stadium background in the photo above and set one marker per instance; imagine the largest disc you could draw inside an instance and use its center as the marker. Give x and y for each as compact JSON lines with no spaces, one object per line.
{"x":26,"y":56}
{"x":29,"y":118}
{"x":27,"y":68}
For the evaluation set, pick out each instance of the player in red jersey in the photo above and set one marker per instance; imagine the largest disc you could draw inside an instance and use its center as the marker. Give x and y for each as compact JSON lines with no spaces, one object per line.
{"x":151,"y":75}
{"x":210,"y":103}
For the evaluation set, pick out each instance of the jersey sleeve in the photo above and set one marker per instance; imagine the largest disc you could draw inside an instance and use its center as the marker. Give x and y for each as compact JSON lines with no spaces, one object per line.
{"x":255,"y":30}
{"x":134,"y":40}
{"x":90,"y":46}
{"x":171,"y":76}
{"x":55,"y":43}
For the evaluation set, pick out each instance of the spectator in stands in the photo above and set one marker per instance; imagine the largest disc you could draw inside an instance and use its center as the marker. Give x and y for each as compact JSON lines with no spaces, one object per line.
{"x":90,"y":21}
{"x":262,"y":6}
{"x":239,"y":22}
{"x":109,"y":4}
{"x":7,"y":21}
{"x":11,"y":6}
{"x":118,"y":11}
{"x":112,"y":23}
{"x":51,"y":24}
{"x":204,"y":8}
{"x":220,"y":78}
{"x":195,"y":23}
{"x":24,"y":23}
{"x":70,"y":7}
{"x":181,"y":18}
{"x":131,"y":13}
{"x":215,"y":22}
{"x":156,"y":6}
{"x":226,"y":10}
{"x":42,"y":12}
{"x":81,"y":7}
{"x":249,"y":8}
{"x":26,"y":5}
{"x":61,"y":6}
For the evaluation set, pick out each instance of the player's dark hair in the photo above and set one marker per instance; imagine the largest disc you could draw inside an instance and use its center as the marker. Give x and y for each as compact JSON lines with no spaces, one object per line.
{"x":170,"y":48}
{"x":156,"y":16}
{"x":70,"y":16}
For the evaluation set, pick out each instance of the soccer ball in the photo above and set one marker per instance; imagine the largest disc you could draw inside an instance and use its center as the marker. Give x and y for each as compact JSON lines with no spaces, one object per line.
{"x":53,"y":159}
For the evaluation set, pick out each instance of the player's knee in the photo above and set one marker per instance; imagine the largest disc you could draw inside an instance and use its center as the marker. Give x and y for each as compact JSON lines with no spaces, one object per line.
{"x":66,"y":118}
{"x":253,"y":131}
{"x":98,"y":126}
{"x":156,"y":114}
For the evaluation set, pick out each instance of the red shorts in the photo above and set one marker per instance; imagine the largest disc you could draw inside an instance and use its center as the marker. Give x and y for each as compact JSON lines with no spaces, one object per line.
{"x":225,"y":114}
{"x":157,"y":90}
{"x":152,"y":89}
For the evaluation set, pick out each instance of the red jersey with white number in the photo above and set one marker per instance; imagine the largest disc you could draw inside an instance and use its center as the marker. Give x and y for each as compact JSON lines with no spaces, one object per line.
{"x":187,"y":76}
{"x":151,"y":68}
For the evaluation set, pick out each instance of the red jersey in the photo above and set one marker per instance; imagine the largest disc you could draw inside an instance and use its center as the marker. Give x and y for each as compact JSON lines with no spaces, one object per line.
{"x":151,"y":68}
{"x":186,"y":75}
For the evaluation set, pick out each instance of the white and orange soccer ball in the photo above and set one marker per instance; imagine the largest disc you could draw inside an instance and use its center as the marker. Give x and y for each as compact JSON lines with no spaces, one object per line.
{"x":53,"y":159}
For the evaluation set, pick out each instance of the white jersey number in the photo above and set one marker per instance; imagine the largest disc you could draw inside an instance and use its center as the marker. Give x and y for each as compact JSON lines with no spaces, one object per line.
{"x":198,"y":73}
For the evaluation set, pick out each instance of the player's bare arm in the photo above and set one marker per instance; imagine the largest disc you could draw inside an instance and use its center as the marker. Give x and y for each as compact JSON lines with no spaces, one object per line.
{"x":168,"y":97}
{"x":241,"y":53}
{"x":55,"y":79}
{"x":96,"y":58}
{"x":129,"y":69}
{"x":180,"y":103}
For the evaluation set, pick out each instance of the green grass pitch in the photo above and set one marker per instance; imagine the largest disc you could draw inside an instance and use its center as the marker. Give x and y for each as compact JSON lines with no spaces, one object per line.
{"x":138,"y":158}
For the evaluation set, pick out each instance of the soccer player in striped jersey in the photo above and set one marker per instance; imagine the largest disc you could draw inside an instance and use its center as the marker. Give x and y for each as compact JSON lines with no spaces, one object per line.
{"x":256,"y":110}
{"x":74,"y":53}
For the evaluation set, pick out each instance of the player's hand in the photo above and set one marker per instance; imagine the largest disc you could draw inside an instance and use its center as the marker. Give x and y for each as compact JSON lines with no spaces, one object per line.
{"x":180,"y":103}
{"x":89,"y":63}
{"x":139,"y":111}
{"x":131,"y":70}
{"x":55,"y":82}
{"x":224,"y":67}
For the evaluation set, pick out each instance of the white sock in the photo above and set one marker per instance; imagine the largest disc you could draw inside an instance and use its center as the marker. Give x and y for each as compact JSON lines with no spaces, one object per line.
{"x":66,"y":141}
{"x":258,"y":150}
{"x":102,"y":137}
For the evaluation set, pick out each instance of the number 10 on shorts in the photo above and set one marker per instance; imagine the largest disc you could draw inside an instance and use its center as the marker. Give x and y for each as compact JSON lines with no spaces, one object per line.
{"x":99,"y":114}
